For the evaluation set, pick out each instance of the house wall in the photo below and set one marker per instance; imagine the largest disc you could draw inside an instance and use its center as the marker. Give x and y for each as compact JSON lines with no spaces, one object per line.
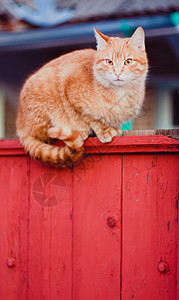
{"x":10,"y":116}
{"x":148,"y":117}
{"x":2,"y":115}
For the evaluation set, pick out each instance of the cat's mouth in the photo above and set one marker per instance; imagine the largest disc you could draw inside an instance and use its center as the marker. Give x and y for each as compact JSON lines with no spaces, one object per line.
{"x":118,"y":79}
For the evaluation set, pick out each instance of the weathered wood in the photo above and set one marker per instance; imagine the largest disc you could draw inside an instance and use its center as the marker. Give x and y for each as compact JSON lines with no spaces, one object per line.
{"x":97,"y":229}
{"x":173,"y":133}
{"x":133,"y":144}
{"x":105,"y":229}
{"x":11,"y":147}
{"x":150,"y":196}
{"x":177,"y":202}
{"x":50,"y":233}
{"x":14,"y":189}
{"x":123,"y":144}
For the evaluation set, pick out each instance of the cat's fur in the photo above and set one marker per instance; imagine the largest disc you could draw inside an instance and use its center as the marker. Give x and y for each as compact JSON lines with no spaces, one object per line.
{"x":80,"y":91}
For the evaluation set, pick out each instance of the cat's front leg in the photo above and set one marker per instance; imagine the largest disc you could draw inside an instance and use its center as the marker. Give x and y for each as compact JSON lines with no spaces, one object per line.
{"x":105,"y":133}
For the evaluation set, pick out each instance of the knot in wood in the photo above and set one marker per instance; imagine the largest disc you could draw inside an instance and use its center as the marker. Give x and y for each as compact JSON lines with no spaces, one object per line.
{"x":11,"y":262}
{"x":111,"y":222}
{"x":163,"y":267}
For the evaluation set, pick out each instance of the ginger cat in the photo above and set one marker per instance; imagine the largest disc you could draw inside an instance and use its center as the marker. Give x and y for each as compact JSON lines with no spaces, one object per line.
{"x":79,"y":91}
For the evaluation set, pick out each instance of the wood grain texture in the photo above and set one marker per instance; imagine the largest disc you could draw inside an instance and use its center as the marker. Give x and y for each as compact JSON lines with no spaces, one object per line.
{"x":105,"y":229}
{"x":177,"y":201}
{"x":50,"y":233}
{"x":14,"y":186}
{"x":97,"y":229}
{"x":138,"y":144}
{"x":173,"y":133}
{"x":122,"y":144}
{"x":150,"y":195}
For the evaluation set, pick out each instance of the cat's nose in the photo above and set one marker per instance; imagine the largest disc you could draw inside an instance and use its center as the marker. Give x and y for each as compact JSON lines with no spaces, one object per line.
{"x":118,"y":75}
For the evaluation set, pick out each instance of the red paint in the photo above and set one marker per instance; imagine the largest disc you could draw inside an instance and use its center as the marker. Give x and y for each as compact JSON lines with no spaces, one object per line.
{"x":163,"y":267}
{"x":14,"y":188}
{"x":151,"y":185}
{"x":11,"y":262}
{"x":111,"y":222}
{"x":123,"y":144}
{"x":50,"y":236}
{"x":105,"y":230}
{"x":96,"y":246}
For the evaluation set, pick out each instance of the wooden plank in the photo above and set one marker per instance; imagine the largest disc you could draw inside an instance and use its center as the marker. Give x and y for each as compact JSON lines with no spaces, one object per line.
{"x":122,"y":144}
{"x":14,"y":183}
{"x":149,"y":220}
{"x":137,"y":144}
{"x":11,"y":147}
{"x":97,"y":229}
{"x":177,"y":297}
{"x":50,"y":233}
{"x":173,"y":133}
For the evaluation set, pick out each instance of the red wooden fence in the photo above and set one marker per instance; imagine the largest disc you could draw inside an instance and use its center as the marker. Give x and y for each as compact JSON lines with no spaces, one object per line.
{"x":106,"y":229}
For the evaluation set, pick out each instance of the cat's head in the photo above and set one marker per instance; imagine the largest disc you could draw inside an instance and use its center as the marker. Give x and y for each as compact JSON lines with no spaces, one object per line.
{"x":120,"y":60}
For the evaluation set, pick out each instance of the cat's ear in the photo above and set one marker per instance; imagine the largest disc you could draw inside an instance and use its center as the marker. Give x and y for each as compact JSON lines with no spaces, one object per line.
{"x":101,"y":39}
{"x":137,"y":40}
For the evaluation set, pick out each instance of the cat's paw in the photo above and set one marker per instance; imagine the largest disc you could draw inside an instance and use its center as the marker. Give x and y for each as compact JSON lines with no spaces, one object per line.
{"x":106,"y":135}
{"x":84,"y":135}
{"x":54,"y":133}
{"x":119,"y":131}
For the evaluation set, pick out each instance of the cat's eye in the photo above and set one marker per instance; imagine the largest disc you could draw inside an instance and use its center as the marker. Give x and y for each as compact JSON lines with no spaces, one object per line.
{"x":128,"y":61}
{"x":109,"y":62}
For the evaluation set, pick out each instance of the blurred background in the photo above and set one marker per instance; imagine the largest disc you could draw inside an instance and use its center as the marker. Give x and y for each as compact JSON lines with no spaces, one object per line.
{"x":32,"y":32}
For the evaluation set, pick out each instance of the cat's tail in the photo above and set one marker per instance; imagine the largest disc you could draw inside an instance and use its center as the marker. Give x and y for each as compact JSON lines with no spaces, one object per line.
{"x":57,"y":156}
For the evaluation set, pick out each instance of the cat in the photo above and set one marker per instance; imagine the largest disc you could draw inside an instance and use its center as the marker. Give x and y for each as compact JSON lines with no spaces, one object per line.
{"x":81,"y":91}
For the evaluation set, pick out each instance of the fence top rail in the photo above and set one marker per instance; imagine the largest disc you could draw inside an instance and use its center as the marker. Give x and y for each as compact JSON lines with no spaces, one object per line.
{"x":133,"y":141}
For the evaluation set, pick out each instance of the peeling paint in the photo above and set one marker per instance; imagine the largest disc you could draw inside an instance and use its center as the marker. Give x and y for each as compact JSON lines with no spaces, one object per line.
{"x":148,"y":177}
{"x":168,"y":225}
{"x":176,"y":206}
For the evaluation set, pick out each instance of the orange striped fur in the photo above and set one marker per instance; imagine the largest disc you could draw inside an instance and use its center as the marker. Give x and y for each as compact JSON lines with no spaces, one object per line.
{"x":83,"y":90}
